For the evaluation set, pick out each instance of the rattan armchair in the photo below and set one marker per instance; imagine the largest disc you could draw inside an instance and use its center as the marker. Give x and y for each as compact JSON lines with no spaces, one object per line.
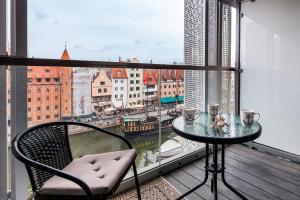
{"x":54,"y":174}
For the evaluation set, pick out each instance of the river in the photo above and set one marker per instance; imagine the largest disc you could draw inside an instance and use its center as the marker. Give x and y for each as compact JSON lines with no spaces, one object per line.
{"x":93,"y":142}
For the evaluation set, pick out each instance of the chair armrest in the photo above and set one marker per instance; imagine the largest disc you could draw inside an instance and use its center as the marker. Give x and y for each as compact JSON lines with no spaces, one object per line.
{"x":20,"y":156}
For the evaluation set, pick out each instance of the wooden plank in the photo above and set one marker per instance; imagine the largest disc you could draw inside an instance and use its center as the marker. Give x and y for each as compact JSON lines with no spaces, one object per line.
{"x":281,"y":165}
{"x":268,"y":156}
{"x":263,"y":168}
{"x":242,"y":185}
{"x":263,"y":173}
{"x":222,"y":189}
{"x":189,"y":181}
{"x":262,"y":184}
{"x":181,"y":188}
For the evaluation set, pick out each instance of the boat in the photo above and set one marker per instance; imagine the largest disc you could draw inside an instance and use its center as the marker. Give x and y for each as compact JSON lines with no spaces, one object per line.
{"x":142,"y":124}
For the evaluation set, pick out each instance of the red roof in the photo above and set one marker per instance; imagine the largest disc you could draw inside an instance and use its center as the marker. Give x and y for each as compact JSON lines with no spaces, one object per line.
{"x":118,"y":73}
{"x":150,"y":77}
{"x":65,"y":55}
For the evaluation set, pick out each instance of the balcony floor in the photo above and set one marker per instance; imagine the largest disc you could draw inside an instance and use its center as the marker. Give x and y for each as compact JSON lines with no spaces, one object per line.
{"x":257,"y":175}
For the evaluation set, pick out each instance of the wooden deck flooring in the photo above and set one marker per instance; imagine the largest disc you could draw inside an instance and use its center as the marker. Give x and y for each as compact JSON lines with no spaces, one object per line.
{"x":255,"y":174}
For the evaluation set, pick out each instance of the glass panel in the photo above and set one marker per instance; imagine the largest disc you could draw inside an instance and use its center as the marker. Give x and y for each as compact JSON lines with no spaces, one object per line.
{"x":270,"y":59}
{"x":107,"y":30}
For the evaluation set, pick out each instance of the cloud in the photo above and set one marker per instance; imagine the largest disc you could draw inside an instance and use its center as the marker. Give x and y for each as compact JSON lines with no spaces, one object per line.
{"x":140,"y":42}
{"x":78,"y":46}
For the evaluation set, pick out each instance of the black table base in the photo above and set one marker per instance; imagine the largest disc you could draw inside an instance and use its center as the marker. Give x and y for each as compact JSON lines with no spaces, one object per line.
{"x":215,"y":168}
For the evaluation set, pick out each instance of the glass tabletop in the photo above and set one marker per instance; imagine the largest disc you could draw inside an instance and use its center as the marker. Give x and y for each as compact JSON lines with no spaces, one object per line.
{"x":232,"y":133}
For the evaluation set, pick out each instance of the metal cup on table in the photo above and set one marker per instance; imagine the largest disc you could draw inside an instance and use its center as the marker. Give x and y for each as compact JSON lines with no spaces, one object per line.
{"x":189,"y":115}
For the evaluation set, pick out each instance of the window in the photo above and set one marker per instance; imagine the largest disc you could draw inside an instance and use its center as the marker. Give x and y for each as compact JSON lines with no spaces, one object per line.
{"x":116,"y":96}
{"x":38,"y":117}
{"x":122,"y":81}
{"x":39,"y":99}
{"x":105,"y":90}
{"x":165,"y":93}
{"x":131,"y":88}
{"x":47,"y":79}
{"x":56,"y":90}
{"x":137,"y":88}
{"x":29,"y":109}
{"x":134,"y":95}
{"x":38,"y":90}
{"x":102,"y":83}
{"x":56,"y":97}
{"x":56,"y":80}
{"x":38,"y":80}
{"x":169,"y":86}
{"x":130,"y":96}
{"x":56,"y":106}
{"x":138,"y":95}
{"x":122,"y":88}
{"x":99,"y":90}
{"x":56,"y":115}
{"x":47,"y":70}
{"x":137,"y":75}
{"x":132,"y":82}
{"x":47,"y":116}
{"x":29,"y":70}
{"x":47,"y":107}
{"x":66,"y":108}
{"x":121,"y":96}
{"x":48,"y":90}
{"x":29,"y":99}
{"x":38,"y":108}
{"x":29,"y":80}
{"x":165,"y":86}
{"x":131,"y":75}
{"x":137,"y":81}
{"x":116,"y":88}
{"x":29,"y":119}
{"x":116,"y":81}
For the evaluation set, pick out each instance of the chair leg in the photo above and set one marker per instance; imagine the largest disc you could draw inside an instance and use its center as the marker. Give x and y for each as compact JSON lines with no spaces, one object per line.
{"x":136,"y":182}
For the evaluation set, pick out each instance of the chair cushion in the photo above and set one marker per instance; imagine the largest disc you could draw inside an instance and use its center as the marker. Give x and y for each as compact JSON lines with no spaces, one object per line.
{"x":101,"y":172}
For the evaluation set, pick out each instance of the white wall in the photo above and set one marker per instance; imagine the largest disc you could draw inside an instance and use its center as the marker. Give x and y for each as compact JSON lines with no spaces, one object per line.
{"x":270,"y":57}
{"x":117,"y":90}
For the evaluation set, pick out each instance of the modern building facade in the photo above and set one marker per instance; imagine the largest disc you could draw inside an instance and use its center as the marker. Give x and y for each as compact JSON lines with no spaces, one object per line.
{"x":119,"y":87}
{"x":101,"y":90}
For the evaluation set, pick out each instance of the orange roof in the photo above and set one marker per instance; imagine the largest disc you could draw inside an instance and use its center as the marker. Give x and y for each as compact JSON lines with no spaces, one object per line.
{"x":150,"y":77}
{"x":118,"y":73}
{"x":65,"y":55}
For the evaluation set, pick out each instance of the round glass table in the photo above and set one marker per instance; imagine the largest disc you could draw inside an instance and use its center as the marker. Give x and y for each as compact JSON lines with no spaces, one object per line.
{"x":202,"y":131}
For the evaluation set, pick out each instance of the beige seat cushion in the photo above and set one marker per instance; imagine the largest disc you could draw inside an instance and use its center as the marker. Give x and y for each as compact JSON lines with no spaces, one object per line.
{"x":101,"y":172}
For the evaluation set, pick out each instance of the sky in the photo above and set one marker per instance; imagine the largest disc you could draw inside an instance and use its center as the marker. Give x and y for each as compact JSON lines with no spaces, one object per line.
{"x":106,"y":29}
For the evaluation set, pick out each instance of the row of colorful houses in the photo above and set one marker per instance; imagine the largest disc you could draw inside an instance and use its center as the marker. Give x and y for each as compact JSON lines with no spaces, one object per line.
{"x":56,"y":93}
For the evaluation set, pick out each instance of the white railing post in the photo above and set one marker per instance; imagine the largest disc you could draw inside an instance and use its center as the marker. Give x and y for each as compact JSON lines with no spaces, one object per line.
{"x":18,"y":93}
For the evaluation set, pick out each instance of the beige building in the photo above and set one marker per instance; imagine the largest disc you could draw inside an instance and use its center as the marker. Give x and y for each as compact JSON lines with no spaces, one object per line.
{"x":101,"y":90}
{"x":135,"y":84}
{"x":172,"y":83}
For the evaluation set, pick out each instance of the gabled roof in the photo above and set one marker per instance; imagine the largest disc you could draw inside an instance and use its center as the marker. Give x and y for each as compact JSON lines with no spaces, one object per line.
{"x":65,"y":55}
{"x":118,"y":73}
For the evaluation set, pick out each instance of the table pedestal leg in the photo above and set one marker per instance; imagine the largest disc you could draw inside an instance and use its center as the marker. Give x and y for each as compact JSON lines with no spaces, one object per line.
{"x":223,"y":177}
{"x":205,"y":178}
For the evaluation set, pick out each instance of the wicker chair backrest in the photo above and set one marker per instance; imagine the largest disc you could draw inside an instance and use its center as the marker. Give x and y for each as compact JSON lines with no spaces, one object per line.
{"x":49,"y":145}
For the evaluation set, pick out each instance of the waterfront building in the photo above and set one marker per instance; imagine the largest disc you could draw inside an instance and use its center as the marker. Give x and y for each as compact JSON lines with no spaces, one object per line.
{"x":172,"y":83}
{"x":101,"y":90}
{"x":49,"y":93}
{"x":135,"y":84}
{"x":43,"y":95}
{"x":150,"y":80}
{"x":82,"y":91}
{"x":119,"y":87}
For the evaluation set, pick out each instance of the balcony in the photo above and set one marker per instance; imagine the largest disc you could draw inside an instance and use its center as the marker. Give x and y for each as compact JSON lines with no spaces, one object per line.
{"x":238,"y":54}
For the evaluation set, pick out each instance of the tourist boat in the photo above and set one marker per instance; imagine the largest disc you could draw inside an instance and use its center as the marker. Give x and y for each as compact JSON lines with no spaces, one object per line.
{"x":141,"y":124}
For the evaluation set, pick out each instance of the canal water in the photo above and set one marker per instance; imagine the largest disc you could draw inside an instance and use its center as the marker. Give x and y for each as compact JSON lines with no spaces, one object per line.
{"x":93,"y":142}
